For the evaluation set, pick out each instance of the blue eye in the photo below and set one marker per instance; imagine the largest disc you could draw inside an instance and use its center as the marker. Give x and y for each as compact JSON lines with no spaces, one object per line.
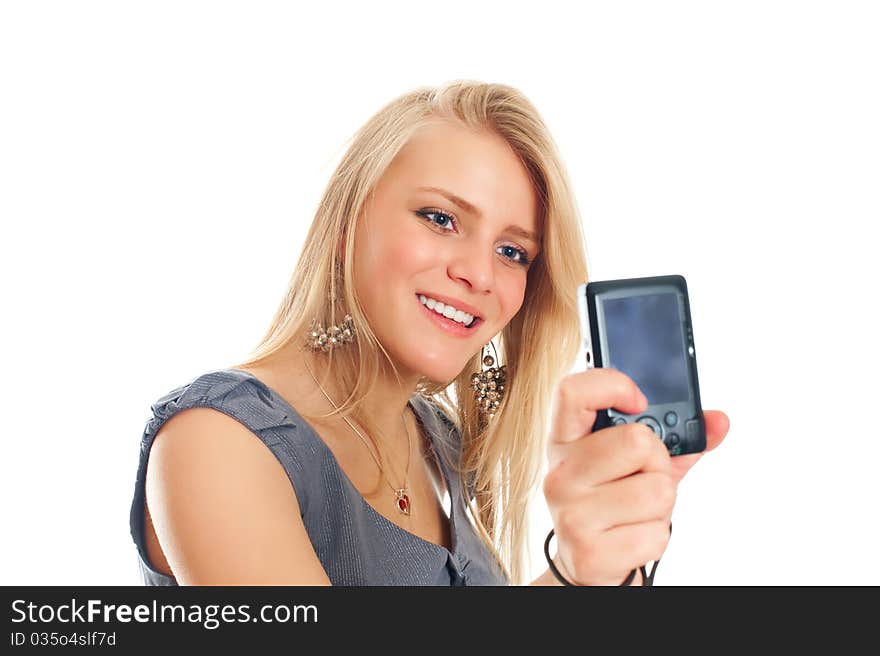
{"x":449,"y":220}
{"x":523,"y":256}
{"x":426,"y":213}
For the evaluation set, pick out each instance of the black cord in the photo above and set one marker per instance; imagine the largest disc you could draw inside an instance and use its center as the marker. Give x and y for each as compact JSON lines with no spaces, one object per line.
{"x":647,"y":579}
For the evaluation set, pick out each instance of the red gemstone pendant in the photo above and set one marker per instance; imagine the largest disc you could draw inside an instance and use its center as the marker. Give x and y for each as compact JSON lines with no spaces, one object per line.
{"x":403,"y":501}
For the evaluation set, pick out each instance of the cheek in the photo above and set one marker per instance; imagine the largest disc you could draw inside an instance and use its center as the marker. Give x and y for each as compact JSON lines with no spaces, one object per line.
{"x":391,"y":250}
{"x":513,"y":298}
{"x":406,"y":249}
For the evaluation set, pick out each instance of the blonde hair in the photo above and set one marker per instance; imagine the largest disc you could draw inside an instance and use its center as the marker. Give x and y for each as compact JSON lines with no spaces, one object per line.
{"x":502,"y":461}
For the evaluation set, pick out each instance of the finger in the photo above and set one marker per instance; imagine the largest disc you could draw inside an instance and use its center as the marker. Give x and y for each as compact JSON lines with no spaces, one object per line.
{"x":579,"y":395}
{"x":608,"y":454}
{"x":717,"y":426}
{"x":631,"y":500}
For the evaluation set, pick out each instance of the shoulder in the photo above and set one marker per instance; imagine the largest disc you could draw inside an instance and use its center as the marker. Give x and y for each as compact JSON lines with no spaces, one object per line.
{"x":223,"y":410}
{"x":222,"y":503}
{"x":213,"y":419}
{"x":203,"y":439}
{"x":217,"y":388}
{"x":232,"y":392}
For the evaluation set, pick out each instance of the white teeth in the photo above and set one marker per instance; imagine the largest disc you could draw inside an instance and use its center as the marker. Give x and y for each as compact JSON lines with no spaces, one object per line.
{"x":447,"y":311}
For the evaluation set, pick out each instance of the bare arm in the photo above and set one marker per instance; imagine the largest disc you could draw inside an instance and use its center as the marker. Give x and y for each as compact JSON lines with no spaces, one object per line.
{"x":223,"y":508}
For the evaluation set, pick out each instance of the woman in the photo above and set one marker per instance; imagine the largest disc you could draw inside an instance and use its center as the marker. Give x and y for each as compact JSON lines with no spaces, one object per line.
{"x":449,"y":226}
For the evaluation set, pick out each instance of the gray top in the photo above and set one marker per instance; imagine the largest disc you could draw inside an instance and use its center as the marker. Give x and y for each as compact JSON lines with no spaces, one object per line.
{"x":356,"y":545}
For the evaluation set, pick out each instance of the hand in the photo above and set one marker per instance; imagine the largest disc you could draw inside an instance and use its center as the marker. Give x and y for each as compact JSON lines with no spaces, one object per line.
{"x":611,"y":493}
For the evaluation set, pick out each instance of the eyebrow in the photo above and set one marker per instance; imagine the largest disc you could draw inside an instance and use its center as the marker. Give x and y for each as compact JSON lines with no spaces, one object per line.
{"x":473,"y":209}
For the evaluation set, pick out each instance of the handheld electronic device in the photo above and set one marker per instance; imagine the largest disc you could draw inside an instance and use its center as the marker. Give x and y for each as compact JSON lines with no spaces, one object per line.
{"x":642,"y":327}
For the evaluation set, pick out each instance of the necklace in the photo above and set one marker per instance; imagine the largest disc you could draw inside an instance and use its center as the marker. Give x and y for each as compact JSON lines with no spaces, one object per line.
{"x":401,"y":494}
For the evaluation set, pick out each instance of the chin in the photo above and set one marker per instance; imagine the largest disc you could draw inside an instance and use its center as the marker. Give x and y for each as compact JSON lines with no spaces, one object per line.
{"x":444,"y":375}
{"x":438,"y":365}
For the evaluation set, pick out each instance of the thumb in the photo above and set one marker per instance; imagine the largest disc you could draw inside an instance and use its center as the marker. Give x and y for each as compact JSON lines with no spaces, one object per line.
{"x":580,"y":395}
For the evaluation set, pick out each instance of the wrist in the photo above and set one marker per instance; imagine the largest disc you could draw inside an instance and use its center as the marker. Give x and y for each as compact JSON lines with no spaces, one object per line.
{"x":635,"y":578}
{"x":547,"y":578}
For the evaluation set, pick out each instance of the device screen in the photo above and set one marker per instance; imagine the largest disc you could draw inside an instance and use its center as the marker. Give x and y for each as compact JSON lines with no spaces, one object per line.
{"x":645,"y":340}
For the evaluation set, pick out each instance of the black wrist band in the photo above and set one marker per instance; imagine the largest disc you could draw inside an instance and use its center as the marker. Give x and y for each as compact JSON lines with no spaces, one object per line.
{"x":647,"y":579}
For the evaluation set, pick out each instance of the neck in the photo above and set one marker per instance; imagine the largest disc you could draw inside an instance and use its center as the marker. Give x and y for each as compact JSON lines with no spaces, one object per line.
{"x":386,"y":404}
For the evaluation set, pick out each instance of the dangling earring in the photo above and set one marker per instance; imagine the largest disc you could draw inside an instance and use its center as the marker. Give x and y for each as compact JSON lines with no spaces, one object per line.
{"x":336,"y":335}
{"x":488,"y":385}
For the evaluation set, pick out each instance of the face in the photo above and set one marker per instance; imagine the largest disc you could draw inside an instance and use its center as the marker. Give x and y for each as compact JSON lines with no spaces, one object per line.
{"x":450,"y":220}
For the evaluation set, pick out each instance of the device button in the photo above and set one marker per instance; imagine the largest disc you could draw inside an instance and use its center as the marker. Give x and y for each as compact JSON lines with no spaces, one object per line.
{"x":618,"y":421}
{"x":692,"y":428}
{"x":653,"y":424}
{"x":672,"y":439}
{"x":671,"y":419}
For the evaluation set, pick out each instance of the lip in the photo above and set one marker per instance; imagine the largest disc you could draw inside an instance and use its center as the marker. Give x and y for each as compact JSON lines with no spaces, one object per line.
{"x":454,"y":302}
{"x":448,"y":325}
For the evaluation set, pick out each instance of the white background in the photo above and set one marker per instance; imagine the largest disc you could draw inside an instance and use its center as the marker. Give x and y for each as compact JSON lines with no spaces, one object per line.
{"x":160,"y":163}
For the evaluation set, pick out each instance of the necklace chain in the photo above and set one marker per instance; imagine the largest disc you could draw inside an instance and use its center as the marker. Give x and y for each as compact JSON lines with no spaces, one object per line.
{"x":402,"y":493}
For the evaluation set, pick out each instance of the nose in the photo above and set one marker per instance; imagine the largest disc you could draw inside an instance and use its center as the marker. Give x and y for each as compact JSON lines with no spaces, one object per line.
{"x":473,"y":264}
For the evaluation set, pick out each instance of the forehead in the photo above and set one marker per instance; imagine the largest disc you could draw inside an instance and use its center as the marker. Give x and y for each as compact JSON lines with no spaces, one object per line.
{"x":478,"y":166}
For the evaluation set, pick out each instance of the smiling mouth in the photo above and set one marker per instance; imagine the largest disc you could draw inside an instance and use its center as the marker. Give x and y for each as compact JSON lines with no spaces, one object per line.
{"x":476,"y":321}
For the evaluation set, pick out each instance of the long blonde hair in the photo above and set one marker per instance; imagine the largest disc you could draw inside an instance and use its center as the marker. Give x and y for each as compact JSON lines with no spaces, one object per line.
{"x":502,"y":461}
